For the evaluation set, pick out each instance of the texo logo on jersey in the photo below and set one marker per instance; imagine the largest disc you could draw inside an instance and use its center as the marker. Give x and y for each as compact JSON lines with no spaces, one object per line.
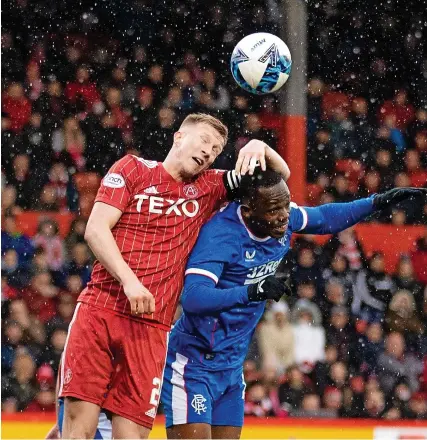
{"x":159,"y":205}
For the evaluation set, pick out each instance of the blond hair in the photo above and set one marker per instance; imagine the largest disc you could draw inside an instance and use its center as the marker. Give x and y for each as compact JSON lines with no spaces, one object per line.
{"x":203,"y":118}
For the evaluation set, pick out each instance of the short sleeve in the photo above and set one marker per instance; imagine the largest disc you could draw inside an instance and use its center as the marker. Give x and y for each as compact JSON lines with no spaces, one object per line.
{"x":117,"y":185}
{"x":298,"y":218}
{"x":212,"y":251}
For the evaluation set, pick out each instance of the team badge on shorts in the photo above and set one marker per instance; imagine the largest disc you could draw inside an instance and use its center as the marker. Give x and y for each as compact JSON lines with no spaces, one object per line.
{"x":68,"y":376}
{"x":198,"y":403}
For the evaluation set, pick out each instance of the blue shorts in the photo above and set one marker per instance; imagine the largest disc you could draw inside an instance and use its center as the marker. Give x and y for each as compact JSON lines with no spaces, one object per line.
{"x":104,"y":430}
{"x":193,"y":394}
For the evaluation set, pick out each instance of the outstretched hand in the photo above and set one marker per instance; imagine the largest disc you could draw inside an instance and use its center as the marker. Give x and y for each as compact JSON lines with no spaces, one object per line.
{"x":396,"y":195}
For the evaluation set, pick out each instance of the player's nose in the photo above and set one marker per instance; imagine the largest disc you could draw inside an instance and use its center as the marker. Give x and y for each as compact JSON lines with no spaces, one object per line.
{"x":283,"y":215}
{"x":205,"y":153}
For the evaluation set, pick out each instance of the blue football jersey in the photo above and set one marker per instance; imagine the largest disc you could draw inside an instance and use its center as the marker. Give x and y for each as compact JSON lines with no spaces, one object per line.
{"x":228,"y":253}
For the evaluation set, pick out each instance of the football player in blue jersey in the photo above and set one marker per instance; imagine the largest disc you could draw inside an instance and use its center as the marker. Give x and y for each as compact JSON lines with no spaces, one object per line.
{"x":230,"y":274}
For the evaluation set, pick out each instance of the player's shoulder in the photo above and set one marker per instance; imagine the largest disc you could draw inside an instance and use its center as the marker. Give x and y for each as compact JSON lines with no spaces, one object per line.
{"x":227,"y":219}
{"x":211,"y":177}
{"x":224,"y":221}
{"x":297,"y":217}
{"x":128,"y":170}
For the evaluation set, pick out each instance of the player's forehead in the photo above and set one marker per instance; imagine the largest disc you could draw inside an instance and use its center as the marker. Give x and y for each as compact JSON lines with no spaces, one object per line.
{"x":204,"y":129}
{"x":277,"y":196}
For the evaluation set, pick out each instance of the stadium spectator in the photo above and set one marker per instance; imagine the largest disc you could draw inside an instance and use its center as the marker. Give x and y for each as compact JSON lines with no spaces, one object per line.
{"x":51,"y":105}
{"x":80,"y":262}
{"x":276,"y":339}
{"x":373,"y":290}
{"x":338,"y":272}
{"x":16,"y":108}
{"x":293,"y":390}
{"x":395,"y":363}
{"x":20,"y":383}
{"x":307,"y":269}
{"x":12,"y":238}
{"x":25,"y":180}
{"x":82,"y":94}
{"x":368,"y":348}
{"x":417,"y":407}
{"x":402,"y":317}
{"x":339,"y":331}
{"x":70,"y":139}
{"x":309,"y":336}
{"x":400,"y":108}
{"x":40,"y":296}
{"x":419,"y":258}
{"x":347,"y":245}
{"x":334,"y":296}
{"x":257,"y":402}
{"x":48,"y":238}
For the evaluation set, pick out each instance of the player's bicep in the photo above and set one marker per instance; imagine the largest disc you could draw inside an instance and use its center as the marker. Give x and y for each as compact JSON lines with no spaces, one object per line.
{"x":103,"y":214}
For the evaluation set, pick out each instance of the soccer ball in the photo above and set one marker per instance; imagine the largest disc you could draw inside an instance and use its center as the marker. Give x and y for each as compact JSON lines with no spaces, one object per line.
{"x":261,"y":63}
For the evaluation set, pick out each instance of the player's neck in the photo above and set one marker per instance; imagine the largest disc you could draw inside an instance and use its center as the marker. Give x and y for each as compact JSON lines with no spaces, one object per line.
{"x":173,"y":169}
{"x":253,"y":231}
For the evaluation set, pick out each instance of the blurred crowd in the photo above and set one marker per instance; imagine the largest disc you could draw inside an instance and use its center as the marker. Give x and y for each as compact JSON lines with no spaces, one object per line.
{"x":352,"y":341}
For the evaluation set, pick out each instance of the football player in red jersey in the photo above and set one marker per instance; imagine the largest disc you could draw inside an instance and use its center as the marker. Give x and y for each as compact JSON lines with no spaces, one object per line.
{"x":144,"y":223}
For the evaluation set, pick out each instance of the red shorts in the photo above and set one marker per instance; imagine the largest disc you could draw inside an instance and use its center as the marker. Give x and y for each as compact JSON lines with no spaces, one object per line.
{"x":114,"y":362}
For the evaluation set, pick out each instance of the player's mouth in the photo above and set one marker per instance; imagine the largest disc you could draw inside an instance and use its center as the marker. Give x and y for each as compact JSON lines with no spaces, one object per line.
{"x":281,"y":229}
{"x":199,"y":162}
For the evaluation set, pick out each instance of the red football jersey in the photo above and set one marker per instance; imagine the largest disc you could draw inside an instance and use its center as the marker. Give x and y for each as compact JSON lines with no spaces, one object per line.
{"x":158,"y":228}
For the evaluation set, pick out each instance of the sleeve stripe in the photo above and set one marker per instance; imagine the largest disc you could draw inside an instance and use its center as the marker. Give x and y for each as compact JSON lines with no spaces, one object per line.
{"x":203,"y":272}
{"x":236,"y":182}
{"x":230,"y":183}
{"x":304,"y":218}
{"x":304,"y":215}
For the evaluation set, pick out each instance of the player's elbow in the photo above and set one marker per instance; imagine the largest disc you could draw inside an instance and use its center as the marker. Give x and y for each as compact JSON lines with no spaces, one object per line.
{"x":189,"y":300}
{"x":91,"y":231}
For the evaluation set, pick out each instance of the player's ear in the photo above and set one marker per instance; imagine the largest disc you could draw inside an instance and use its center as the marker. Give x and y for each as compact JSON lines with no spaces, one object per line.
{"x":177,"y":136}
{"x":246,"y":211}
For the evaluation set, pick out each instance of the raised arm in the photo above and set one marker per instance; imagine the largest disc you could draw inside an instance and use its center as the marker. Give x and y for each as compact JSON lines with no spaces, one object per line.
{"x":335,"y":217}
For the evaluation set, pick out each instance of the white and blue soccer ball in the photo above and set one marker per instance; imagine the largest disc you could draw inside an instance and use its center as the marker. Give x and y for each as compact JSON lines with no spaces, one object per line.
{"x":261,"y":63}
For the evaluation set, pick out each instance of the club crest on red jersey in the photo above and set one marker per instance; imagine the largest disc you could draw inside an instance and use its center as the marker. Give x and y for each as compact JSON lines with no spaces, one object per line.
{"x":190,"y":191}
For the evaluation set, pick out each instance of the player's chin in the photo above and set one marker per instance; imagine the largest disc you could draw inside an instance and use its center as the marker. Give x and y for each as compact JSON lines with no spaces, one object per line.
{"x":194,"y":170}
{"x":278,"y":232}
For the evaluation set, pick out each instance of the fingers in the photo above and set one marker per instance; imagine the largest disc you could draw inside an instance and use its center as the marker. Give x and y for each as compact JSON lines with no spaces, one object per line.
{"x":245,"y":165}
{"x":133,"y":306}
{"x":151,"y":305}
{"x":253,"y":162}
{"x":144,"y":304}
{"x":263,"y":163}
{"x":239,"y":163}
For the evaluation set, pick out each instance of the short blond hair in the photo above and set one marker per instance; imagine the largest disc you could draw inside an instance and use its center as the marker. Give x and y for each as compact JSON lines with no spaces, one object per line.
{"x":203,"y":118}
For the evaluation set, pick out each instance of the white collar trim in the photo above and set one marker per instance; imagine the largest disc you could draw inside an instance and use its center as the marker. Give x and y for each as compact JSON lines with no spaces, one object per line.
{"x":254,"y":237}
